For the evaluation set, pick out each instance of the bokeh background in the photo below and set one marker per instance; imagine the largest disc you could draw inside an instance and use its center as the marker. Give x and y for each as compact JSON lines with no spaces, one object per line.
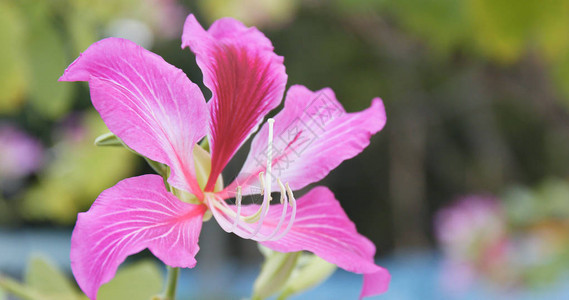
{"x":465,"y":192}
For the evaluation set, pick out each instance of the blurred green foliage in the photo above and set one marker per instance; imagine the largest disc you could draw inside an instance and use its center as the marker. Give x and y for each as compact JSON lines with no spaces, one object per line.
{"x":261,"y":13}
{"x":40,"y":38}
{"x":13,"y":81}
{"x":45,"y":281}
{"x":502,"y":30}
{"x":77,"y":174}
{"x":548,"y":202}
{"x":45,"y":278}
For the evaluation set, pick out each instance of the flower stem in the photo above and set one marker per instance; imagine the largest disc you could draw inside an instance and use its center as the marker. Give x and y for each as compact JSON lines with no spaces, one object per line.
{"x":171,"y":283}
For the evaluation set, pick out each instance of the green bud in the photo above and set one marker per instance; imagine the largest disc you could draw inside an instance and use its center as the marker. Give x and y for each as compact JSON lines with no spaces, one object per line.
{"x":108,"y":140}
{"x":310,"y":271}
{"x":274,"y":273}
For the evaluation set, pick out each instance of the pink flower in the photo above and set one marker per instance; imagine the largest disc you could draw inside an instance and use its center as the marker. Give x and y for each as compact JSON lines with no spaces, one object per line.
{"x":20,"y":154}
{"x":157,"y":111}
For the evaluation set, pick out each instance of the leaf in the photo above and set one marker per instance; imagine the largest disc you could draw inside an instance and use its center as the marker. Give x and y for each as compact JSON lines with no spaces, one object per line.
{"x":13,"y":70}
{"x":274,"y":273}
{"x":140,"y":280}
{"x":47,"y":56}
{"x":81,"y":29}
{"x":43,"y":276}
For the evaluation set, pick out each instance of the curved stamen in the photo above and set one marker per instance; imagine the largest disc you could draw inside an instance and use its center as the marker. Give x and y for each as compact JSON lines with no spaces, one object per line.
{"x":262,"y":181}
{"x":286,"y":198}
{"x":284,"y":201}
{"x":292,"y":202}
{"x":267,"y":186}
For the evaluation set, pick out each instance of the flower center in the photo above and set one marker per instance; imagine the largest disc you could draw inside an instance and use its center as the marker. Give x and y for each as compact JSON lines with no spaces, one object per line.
{"x":252,"y":224}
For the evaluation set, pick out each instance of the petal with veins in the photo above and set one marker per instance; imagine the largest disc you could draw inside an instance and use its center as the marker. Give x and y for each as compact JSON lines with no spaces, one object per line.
{"x":151,"y":105}
{"x":246,"y":77}
{"x":135,"y":214}
{"x":313,"y":134}
{"x":320,"y":226}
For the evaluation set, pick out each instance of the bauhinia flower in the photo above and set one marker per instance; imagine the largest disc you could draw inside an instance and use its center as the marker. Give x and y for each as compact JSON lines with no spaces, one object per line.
{"x":158,"y":112}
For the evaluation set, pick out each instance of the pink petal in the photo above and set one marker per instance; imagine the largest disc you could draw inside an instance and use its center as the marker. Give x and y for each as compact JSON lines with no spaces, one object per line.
{"x":246,"y":77}
{"x":313,"y":134}
{"x":135,"y":214}
{"x":151,"y":105}
{"x":375,"y":283}
{"x":322,"y":227}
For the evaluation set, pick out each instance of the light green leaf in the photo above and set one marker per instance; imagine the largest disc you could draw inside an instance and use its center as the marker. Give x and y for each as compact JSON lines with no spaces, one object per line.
{"x":21,"y":291}
{"x":43,"y":276}
{"x":47,"y":57}
{"x":13,"y":70}
{"x":310,"y":271}
{"x":81,"y":29}
{"x":140,"y":280}
{"x":274,"y":273}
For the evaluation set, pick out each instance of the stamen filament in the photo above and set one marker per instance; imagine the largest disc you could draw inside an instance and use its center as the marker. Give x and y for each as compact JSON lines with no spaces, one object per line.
{"x":284,"y":201}
{"x":271,"y":122}
{"x":265,"y":179}
{"x":292,"y":202}
{"x":262,"y":181}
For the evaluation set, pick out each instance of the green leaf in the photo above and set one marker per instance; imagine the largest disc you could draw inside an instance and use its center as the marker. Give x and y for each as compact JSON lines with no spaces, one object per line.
{"x":81,"y":28}
{"x":13,"y":70}
{"x":274,"y":273}
{"x":43,"y":276}
{"x":19,"y":290}
{"x":140,"y":280}
{"x":310,"y":271}
{"x":47,"y":56}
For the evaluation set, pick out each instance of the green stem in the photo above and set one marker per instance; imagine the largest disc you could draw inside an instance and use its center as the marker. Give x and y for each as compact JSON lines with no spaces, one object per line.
{"x":171,"y":283}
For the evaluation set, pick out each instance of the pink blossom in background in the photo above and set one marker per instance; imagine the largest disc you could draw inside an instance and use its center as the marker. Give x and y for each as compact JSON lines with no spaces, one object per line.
{"x":158,"y":112}
{"x":169,"y":16}
{"x":472,"y":234}
{"x":20,"y":154}
{"x":473,"y":221}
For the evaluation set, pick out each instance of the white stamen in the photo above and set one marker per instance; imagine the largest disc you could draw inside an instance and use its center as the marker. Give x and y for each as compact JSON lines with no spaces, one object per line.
{"x":284,"y":201}
{"x":292,"y":202}
{"x":267,"y":184}
{"x":262,"y":181}
{"x":268,"y":175}
{"x":258,"y":217}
